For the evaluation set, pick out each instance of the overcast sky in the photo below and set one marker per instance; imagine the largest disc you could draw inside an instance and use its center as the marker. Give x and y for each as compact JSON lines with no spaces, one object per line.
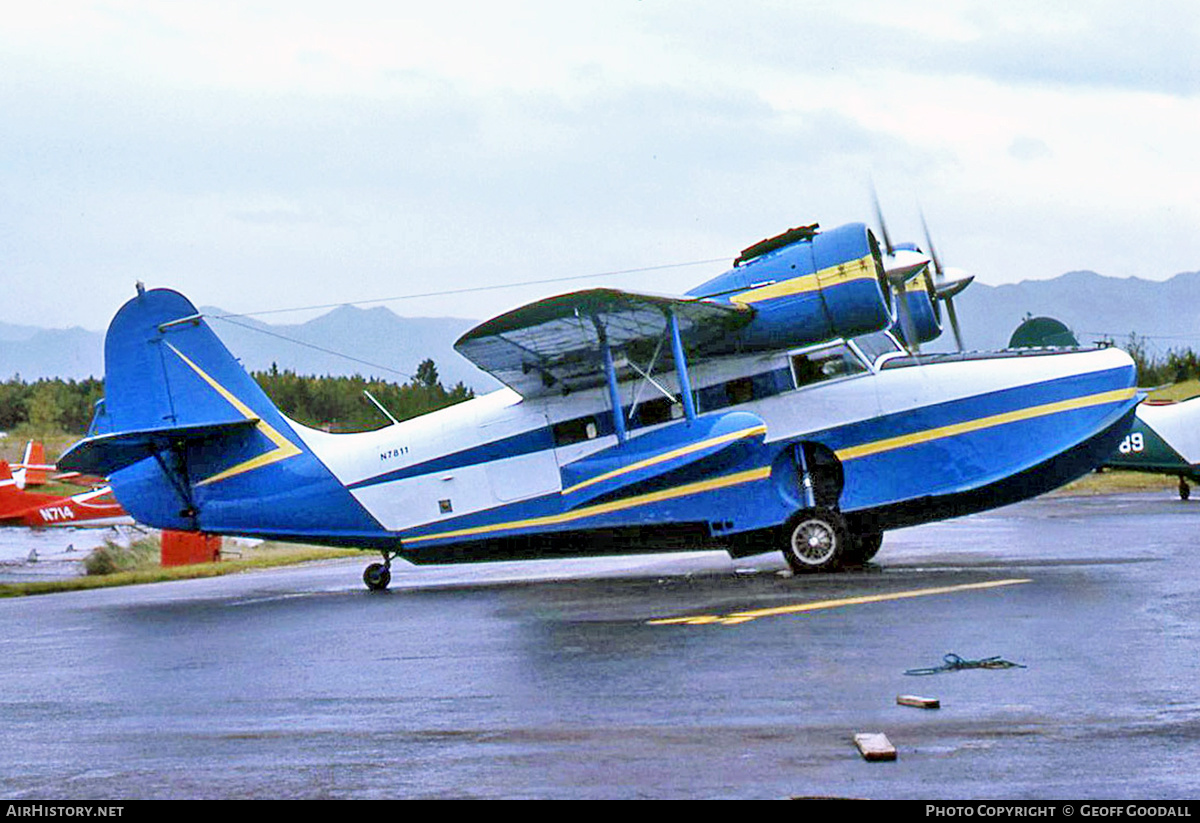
{"x":261,"y":156}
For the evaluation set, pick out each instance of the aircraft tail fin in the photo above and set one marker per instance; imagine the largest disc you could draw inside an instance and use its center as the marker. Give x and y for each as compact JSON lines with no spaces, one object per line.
{"x":34,"y":465}
{"x":10,"y":495}
{"x":190,"y":441}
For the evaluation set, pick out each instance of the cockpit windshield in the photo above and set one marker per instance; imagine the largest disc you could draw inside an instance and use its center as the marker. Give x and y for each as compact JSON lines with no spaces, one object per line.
{"x":875,"y":345}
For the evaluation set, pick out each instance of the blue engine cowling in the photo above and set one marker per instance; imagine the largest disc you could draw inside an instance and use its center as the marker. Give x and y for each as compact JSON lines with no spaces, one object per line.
{"x":818,"y":287}
{"x":924,"y":309}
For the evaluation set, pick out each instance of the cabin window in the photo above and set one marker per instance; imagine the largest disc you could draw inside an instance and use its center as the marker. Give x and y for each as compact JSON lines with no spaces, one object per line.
{"x":656,"y":410}
{"x":825,"y":364}
{"x":575,"y":431}
{"x":744,"y":389}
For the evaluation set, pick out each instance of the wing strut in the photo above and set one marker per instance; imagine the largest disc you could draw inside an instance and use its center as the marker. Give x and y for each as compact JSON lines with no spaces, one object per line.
{"x":681,"y":369}
{"x":610,"y":374}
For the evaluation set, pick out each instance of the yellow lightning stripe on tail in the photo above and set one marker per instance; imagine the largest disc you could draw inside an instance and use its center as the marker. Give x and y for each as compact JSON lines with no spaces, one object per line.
{"x":284,"y":448}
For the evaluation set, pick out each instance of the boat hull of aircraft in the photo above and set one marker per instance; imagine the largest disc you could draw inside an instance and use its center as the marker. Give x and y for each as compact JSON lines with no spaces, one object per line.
{"x":875,"y":444}
{"x":952,"y":448}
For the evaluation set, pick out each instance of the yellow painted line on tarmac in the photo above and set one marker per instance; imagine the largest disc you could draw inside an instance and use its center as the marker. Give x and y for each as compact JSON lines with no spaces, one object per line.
{"x":744,"y":617}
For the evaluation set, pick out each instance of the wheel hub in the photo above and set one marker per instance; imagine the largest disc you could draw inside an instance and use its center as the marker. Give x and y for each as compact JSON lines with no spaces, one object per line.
{"x":813,"y":542}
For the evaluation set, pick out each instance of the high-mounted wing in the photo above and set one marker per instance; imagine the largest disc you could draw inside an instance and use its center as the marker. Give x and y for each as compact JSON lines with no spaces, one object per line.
{"x":558,"y":342}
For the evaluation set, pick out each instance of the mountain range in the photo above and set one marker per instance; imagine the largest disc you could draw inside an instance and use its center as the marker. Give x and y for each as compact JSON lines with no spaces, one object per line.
{"x":1166,"y":313}
{"x":377,"y":342}
{"x":347,"y":340}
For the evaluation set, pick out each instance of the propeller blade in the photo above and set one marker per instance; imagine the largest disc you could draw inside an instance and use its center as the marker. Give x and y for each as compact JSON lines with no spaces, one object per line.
{"x":937,"y":264}
{"x":954,"y":323}
{"x":907,"y":327}
{"x":888,"y":248}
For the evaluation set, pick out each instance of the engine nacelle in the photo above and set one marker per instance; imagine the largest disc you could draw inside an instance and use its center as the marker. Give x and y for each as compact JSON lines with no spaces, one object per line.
{"x":805,"y":287}
{"x":923,"y":307}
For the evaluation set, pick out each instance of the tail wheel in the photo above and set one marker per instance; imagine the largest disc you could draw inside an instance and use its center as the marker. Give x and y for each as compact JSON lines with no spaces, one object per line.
{"x":377,"y":576}
{"x":815,"y":540}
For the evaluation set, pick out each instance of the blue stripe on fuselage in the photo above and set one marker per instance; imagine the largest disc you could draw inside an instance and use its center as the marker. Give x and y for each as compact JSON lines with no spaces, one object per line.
{"x":973,"y":407}
{"x":535,"y":440}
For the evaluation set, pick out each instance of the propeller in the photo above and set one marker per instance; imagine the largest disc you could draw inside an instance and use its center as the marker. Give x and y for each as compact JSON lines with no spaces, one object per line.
{"x":945,"y":289}
{"x":899,"y":267}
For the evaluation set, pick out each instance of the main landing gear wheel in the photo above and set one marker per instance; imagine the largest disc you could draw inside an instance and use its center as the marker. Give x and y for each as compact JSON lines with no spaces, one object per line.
{"x":863,"y":547}
{"x":1185,"y":491}
{"x":377,"y":576}
{"x":815,"y":540}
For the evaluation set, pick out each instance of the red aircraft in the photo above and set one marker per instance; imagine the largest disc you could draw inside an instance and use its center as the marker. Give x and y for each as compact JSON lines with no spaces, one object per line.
{"x":33,"y":470}
{"x":95,"y":507}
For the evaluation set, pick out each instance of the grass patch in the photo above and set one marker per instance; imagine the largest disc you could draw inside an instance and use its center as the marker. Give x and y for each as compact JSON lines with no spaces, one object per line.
{"x":1178,"y":391}
{"x":1117,"y":481}
{"x":139,"y":563}
{"x":112,"y":558}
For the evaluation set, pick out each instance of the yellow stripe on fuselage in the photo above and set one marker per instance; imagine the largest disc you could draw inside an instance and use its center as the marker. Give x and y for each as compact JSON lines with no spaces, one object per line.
{"x":284,"y":448}
{"x":915,"y":438}
{"x":761,"y":473}
{"x":671,"y":455}
{"x":861,"y":269}
{"x":764,"y":472}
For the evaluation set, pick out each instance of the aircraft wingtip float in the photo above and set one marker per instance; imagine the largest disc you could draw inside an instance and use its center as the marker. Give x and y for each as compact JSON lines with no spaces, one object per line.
{"x":769,"y":408}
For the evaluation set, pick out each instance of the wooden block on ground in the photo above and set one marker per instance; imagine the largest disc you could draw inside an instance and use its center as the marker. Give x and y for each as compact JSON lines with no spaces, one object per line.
{"x":919,"y":702}
{"x":875,"y":746}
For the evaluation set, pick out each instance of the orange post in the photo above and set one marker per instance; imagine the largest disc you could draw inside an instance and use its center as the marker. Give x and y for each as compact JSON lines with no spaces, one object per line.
{"x":186,"y":548}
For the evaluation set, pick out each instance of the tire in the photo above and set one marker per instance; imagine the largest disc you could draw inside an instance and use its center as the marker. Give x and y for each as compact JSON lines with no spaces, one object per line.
{"x":815,"y":540}
{"x":377,"y":576}
{"x":1185,"y":491}
{"x":863,"y":547}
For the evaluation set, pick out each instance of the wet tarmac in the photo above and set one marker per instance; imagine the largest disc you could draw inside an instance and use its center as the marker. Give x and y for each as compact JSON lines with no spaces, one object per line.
{"x":672,"y":676}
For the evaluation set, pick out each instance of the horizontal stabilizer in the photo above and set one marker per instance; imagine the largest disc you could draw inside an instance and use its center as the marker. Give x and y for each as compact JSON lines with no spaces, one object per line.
{"x":189,"y":441}
{"x":108,"y":453}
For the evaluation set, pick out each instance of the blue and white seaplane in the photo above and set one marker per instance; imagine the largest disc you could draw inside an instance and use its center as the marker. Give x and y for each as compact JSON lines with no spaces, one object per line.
{"x":769,"y":408}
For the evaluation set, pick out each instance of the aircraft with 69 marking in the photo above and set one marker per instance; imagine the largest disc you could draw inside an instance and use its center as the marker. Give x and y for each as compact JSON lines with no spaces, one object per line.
{"x":769,"y":408}
{"x":1165,"y":439}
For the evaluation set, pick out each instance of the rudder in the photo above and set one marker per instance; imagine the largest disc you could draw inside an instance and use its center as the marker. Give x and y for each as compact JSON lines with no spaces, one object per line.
{"x":190,"y":441}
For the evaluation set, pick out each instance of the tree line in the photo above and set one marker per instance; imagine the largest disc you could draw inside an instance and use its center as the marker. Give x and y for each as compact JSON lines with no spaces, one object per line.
{"x":1154,"y":369}
{"x":338,"y":404}
{"x":55,"y":406}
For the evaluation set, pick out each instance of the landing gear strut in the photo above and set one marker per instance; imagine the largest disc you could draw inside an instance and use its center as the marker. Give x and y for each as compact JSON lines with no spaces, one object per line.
{"x":1185,"y":491}
{"x":377,"y":576}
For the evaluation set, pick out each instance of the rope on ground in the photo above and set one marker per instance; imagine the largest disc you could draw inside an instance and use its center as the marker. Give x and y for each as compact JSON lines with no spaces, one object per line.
{"x":953,"y":663}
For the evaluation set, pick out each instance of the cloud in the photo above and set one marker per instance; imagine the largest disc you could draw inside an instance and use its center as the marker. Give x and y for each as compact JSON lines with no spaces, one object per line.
{"x":365,"y":148}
